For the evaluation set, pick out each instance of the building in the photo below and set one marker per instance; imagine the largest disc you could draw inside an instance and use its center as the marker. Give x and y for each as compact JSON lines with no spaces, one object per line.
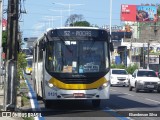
{"x":29,"y":41}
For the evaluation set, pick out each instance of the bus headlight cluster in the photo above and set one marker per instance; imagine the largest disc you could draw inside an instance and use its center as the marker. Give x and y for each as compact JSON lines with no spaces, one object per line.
{"x":50,"y":85}
{"x":106,"y":84}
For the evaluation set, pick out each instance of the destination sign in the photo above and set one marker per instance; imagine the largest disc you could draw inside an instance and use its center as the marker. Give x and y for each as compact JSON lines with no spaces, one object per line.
{"x":78,"y":33}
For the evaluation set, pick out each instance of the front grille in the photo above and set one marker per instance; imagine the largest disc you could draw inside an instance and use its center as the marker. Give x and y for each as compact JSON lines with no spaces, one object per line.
{"x":121,"y":78}
{"x":150,"y":83}
{"x":78,"y":80}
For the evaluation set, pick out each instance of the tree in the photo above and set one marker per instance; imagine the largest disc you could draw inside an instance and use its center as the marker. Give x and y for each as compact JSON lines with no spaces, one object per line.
{"x":158,"y":10}
{"x":76,"y":20}
{"x":82,"y":23}
{"x":21,"y":64}
{"x":4,"y":41}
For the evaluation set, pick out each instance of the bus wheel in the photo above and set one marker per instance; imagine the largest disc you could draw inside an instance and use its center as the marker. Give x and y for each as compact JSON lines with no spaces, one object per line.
{"x":96,"y":103}
{"x":47,"y":103}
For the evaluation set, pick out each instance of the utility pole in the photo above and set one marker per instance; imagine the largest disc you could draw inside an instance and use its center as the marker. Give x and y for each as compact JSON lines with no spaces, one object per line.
{"x":1,"y":14}
{"x":148,"y":56}
{"x":11,"y":65}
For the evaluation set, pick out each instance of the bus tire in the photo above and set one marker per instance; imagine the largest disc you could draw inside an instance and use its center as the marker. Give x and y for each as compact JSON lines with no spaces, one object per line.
{"x":47,"y":103}
{"x":96,"y":103}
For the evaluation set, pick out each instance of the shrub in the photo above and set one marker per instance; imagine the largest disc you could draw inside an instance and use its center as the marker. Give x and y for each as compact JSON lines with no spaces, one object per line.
{"x":21,"y":64}
{"x":131,"y":68}
{"x":120,"y":66}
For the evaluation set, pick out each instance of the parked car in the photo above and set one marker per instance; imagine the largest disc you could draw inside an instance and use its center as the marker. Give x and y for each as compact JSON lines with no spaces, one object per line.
{"x":144,"y":79}
{"x":119,"y":77}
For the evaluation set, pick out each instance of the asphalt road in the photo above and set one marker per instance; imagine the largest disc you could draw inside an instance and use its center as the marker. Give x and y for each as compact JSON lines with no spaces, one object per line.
{"x":122,"y":102}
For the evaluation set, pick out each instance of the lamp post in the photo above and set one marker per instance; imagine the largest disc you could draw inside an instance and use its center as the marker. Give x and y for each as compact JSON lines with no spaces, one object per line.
{"x":69,"y":6}
{"x":110,"y":28}
{"x":60,"y":14}
{"x":51,"y":19}
{"x":148,"y":44}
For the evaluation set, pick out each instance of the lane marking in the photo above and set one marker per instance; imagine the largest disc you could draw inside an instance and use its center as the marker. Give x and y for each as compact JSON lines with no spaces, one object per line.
{"x":122,"y":92}
{"x":115,"y":114}
{"x":152,"y":100}
{"x":128,"y":94}
{"x":33,"y":100}
{"x":113,"y":90}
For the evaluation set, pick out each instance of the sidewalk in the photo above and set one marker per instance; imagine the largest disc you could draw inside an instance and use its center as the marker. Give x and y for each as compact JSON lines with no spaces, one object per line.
{"x":1,"y":93}
{"x":2,"y":102}
{"x":1,"y":97}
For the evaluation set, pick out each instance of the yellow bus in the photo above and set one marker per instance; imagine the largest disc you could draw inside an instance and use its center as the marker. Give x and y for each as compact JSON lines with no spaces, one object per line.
{"x":28,"y":69}
{"x":72,"y":63}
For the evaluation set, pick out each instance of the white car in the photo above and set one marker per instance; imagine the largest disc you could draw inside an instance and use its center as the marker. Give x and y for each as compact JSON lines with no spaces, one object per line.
{"x":119,"y":77}
{"x":144,"y":79}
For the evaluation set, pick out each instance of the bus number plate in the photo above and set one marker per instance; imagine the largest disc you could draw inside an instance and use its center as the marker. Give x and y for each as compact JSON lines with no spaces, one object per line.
{"x":78,"y":94}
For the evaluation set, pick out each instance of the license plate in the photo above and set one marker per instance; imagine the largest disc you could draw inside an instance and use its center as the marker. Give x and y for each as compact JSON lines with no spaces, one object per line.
{"x":78,"y":94}
{"x":121,"y":82}
{"x":150,"y":86}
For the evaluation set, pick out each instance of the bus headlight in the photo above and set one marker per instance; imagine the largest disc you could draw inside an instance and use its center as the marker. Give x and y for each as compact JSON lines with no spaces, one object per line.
{"x":50,"y":85}
{"x":106,"y":84}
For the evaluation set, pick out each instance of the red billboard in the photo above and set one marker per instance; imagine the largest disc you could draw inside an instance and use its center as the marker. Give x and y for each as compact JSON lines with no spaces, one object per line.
{"x":128,"y":12}
{"x":4,"y":24}
{"x":138,"y":13}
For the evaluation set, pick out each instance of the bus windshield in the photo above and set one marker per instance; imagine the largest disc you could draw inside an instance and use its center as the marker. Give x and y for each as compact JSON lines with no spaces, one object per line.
{"x":83,"y":56}
{"x":29,"y":63}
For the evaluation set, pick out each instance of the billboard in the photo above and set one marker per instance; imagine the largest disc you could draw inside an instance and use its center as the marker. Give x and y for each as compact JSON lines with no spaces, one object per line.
{"x":139,"y":13}
{"x":4,"y":24}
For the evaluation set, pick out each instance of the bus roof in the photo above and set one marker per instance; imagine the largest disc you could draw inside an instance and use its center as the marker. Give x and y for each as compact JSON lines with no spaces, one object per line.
{"x":77,"y":27}
{"x":58,"y":28}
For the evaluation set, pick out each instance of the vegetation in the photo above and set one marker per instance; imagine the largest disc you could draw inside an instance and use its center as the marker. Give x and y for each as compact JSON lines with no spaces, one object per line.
{"x":21,"y":64}
{"x":158,"y":10}
{"x":28,"y":118}
{"x":130,"y":69}
{"x":82,"y":23}
{"x":121,"y":66}
{"x":4,"y":41}
{"x":76,"y":20}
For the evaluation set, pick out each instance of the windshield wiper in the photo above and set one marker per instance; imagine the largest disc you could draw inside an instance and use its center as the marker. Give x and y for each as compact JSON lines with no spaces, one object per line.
{"x":62,"y":40}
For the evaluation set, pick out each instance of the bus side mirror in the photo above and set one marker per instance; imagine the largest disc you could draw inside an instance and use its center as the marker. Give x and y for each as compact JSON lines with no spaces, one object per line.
{"x":111,"y":46}
{"x":43,"y":45}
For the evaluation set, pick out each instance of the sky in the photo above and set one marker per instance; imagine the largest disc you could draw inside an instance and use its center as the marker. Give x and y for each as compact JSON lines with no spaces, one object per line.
{"x":43,"y":14}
